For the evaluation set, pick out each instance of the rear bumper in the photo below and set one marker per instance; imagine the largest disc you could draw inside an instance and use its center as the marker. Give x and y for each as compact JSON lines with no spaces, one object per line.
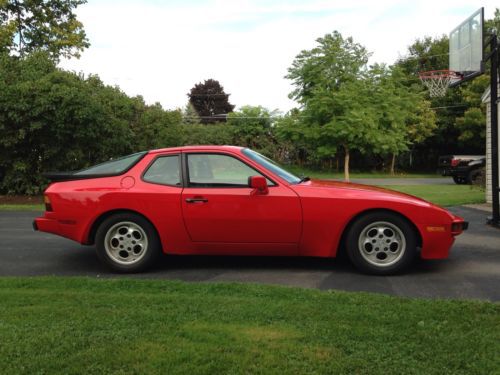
{"x":68,"y":228}
{"x":459,"y":172}
{"x":43,"y":224}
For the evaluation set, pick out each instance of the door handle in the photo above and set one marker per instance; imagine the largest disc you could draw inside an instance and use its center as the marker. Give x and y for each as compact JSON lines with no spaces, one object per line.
{"x":196,"y":200}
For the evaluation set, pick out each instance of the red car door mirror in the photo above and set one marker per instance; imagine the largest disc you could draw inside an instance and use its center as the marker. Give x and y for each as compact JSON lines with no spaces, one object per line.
{"x":258,"y":184}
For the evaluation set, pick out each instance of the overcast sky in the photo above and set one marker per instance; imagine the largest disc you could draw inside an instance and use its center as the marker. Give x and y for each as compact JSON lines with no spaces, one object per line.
{"x":160,"y":49}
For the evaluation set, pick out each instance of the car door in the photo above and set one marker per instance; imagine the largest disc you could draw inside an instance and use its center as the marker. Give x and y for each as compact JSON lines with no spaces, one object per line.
{"x":218,"y":205}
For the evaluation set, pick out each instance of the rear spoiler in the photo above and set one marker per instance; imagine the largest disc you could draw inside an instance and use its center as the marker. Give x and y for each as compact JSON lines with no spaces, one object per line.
{"x":71,"y":176}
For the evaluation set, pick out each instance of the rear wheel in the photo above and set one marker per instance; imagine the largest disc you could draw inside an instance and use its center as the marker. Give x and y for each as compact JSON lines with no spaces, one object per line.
{"x":127,"y":243}
{"x":459,"y":180}
{"x":381,"y":243}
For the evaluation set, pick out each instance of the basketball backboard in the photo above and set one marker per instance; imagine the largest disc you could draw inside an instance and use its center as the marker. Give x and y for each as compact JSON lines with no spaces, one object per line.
{"x":466,"y":46}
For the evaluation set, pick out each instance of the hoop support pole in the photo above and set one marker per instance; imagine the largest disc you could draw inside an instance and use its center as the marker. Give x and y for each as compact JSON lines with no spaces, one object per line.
{"x":495,"y":218}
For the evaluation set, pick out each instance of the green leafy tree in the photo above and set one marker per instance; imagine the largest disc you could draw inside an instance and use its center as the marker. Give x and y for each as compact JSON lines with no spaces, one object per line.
{"x":47,"y":25}
{"x":403,"y":114}
{"x":216,"y":134}
{"x":51,"y":119}
{"x":157,"y":128}
{"x":330,"y":84}
{"x":423,"y":55}
{"x":296,"y":139}
{"x":252,"y":128}
{"x":210,"y":101}
{"x":472,"y":125}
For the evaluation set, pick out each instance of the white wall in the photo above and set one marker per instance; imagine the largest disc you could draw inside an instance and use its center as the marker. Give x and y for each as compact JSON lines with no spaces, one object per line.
{"x":488,"y":149}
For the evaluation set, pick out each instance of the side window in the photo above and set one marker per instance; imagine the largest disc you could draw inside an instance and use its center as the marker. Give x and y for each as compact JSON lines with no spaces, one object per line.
{"x":216,"y":170}
{"x":164,"y":170}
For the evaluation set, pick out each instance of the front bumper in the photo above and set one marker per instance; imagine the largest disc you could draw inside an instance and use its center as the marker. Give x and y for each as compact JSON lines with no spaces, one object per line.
{"x":458,"y":226}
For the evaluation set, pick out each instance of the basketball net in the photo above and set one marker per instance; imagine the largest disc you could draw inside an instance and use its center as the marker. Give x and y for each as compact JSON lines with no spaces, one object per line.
{"x":437,"y":81}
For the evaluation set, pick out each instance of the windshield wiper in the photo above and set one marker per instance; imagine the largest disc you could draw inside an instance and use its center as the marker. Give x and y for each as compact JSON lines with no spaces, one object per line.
{"x":304,"y":179}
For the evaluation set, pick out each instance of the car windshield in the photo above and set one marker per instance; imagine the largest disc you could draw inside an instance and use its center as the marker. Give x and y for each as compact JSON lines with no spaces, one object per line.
{"x":112,"y":167}
{"x":272,"y":166}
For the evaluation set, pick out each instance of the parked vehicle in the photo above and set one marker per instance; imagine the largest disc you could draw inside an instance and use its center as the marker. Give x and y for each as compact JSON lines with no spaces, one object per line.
{"x":464,"y":169}
{"x":225,"y":200}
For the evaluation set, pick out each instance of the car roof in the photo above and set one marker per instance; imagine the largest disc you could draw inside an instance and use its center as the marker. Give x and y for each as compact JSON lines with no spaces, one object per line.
{"x":196,"y":148}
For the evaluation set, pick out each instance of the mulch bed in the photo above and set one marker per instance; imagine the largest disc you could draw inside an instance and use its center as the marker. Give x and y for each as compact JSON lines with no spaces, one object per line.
{"x":21,"y":199}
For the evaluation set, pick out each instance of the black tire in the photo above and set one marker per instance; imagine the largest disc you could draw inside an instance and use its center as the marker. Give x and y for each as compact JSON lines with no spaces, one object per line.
{"x":473,"y":176}
{"x":384,"y":255}
{"x":127,"y":243}
{"x":459,"y":180}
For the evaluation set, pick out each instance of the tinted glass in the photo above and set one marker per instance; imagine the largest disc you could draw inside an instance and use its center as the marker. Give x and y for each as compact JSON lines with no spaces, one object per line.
{"x":272,"y":166}
{"x":219,"y":170}
{"x":164,"y":170}
{"x":116,"y":166}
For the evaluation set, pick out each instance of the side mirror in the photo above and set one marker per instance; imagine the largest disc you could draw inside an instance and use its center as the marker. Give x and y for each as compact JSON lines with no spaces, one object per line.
{"x":258,"y":184}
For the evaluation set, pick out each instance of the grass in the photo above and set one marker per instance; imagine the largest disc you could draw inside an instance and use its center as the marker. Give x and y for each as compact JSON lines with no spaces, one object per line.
{"x":22,"y":207}
{"x":78,"y":325}
{"x":444,"y":195}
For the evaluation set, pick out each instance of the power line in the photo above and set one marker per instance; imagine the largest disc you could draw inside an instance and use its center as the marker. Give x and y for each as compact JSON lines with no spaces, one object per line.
{"x":420,"y":57}
{"x":451,"y":106}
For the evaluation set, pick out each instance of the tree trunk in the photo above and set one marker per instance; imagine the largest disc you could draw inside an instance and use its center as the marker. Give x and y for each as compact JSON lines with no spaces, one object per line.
{"x":346,"y":164}
{"x":393,"y":163}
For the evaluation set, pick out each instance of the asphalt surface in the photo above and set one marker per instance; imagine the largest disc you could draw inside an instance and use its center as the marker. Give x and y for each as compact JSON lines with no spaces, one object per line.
{"x":471,"y":272}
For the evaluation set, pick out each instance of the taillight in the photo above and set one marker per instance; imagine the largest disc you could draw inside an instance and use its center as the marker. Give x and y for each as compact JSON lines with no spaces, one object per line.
{"x":48,"y":205}
{"x":455,"y":162}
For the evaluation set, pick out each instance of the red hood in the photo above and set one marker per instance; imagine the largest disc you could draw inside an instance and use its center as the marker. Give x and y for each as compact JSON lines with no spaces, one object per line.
{"x":361,"y":187}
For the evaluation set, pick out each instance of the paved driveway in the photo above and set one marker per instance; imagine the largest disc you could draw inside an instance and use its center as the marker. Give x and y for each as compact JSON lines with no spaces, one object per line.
{"x":472,"y":271}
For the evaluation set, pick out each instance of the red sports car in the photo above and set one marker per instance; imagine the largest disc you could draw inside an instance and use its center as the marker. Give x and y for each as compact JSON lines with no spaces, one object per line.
{"x":216,"y":200}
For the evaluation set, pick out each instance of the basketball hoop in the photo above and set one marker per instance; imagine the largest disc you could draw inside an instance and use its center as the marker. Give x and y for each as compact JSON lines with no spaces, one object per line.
{"x":437,"y":81}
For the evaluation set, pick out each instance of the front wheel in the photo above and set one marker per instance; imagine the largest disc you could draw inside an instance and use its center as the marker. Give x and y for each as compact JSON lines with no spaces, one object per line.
{"x":127,"y":243}
{"x":381,"y":243}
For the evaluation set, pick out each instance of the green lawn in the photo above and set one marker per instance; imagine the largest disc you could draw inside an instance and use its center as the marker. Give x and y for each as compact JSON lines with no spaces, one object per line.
{"x":78,"y":325}
{"x":22,"y":207}
{"x":444,"y":195}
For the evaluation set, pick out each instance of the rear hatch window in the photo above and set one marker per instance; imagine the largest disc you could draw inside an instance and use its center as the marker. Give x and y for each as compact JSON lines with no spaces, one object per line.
{"x":112,"y":167}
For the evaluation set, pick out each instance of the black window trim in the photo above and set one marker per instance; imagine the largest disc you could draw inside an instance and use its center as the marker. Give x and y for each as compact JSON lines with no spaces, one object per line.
{"x":185,"y":171}
{"x":179,"y":157}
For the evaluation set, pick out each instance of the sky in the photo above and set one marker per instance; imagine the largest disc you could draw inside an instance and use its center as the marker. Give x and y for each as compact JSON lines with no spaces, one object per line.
{"x":161,"y":49}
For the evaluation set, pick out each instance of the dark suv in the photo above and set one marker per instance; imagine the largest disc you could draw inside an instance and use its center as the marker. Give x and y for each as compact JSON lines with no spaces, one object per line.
{"x":465,"y":169}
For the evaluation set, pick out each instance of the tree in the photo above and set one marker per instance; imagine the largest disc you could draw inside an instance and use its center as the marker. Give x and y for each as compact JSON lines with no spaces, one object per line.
{"x":47,"y":25}
{"x":52,"y":119}
{"x":330,"y":85}
{"x":252,"y":128}
{"x":404,"y":116}
{"x":210,"y":101}
{"x":296,"y":143}
{"x":423,"y":55}
{"x":190,"y":116}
